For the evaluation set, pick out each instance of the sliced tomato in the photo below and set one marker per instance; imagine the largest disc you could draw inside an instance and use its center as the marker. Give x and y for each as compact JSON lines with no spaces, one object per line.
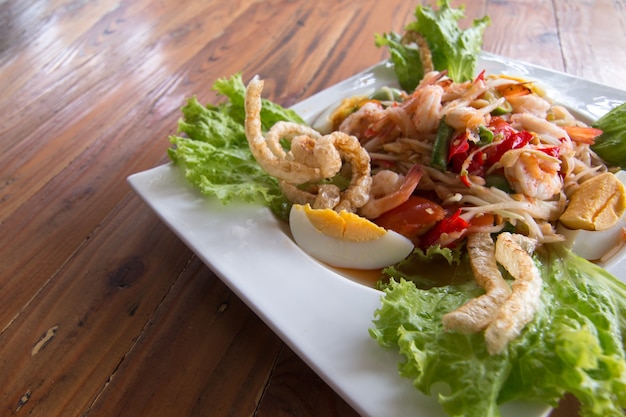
{"x":484,"y":219}
{"x":413,"y":217}
{"x":446,"y":232}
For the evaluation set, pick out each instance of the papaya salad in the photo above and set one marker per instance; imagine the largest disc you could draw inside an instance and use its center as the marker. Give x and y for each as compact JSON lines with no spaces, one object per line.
{"x":467,"y":191}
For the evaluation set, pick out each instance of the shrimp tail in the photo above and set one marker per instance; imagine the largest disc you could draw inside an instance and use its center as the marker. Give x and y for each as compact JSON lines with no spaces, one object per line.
{"x":375,"y":207}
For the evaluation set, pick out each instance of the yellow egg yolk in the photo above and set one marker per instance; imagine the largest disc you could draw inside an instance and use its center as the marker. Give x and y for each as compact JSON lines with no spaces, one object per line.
{"x":343,"y":224}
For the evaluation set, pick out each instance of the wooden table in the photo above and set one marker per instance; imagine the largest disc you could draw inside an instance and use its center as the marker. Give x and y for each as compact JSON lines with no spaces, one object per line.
{"x":103,"y":310}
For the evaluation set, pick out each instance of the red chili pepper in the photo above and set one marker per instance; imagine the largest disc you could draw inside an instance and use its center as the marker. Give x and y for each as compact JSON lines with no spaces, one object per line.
{"x":465,"y":180}
{"x":460,"y":148}
{"x":551,"y":150}
{"x":480,"y":76}
{"x":459,"y":145}
{"x":512,"y":140}
{"x":453,"y":224}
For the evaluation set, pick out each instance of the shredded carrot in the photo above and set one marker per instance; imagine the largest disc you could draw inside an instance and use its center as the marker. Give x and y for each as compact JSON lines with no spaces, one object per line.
{"x":581,"y":134}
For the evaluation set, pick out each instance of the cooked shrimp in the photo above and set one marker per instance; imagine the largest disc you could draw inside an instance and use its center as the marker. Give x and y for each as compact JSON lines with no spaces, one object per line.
{"x":389,"y":190}
{"x":548,"y":132}
{"x":466,"y":117}
{"x":429,"y":106}
{"x":425,"y":108}
{"x":359,"y":122}
{"x":513,"y":252}
{"x":561,"y":115}
{"x":422,"y":108}
{"x":475,"y":315}
{"x":462,"y":118}
{"x":530,"y":103}
{"x":532,"y":172}
{"x":462,"y":94}
{"x":421,"y":112}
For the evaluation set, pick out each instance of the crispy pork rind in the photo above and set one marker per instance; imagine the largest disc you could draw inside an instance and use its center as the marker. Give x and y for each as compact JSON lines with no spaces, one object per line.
{"x":476,"y":314}
{"x":503,"y":311}
{"x":513,"y":252}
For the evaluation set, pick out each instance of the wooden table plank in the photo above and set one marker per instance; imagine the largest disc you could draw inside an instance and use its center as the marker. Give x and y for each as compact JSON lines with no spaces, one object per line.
{"x":295,"y":390}
{"x":335,"y":53}
{"x":74,"y":119}
{"x":590,"y":32}
{"x":74,"y":333}
{"x":524,"y":30}
{"x":203,"y":334}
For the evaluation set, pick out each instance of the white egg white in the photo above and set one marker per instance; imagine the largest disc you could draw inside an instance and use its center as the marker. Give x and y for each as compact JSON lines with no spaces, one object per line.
{"x":386,"y":250}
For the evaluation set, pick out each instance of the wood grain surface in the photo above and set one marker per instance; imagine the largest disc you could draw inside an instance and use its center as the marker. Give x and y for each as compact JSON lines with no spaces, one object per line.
{"x":103,"y":310}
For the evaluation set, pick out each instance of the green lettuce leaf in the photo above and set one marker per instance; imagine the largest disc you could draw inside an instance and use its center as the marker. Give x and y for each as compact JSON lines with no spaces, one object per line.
{"x":212,"y":149}
{"x":611,"y":144}
{"x":452,"y":48}
{"x":406,"y":59}
{"x":435,"y":267}
{"x":575,"y":343}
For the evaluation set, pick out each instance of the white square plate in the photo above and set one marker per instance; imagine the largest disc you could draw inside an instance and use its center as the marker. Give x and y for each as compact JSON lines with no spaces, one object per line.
{"x":323,"y":316}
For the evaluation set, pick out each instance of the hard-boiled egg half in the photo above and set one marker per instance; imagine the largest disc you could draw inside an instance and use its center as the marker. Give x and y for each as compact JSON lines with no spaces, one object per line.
{"x":346,"y":240}
{"x":595,"y":245}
